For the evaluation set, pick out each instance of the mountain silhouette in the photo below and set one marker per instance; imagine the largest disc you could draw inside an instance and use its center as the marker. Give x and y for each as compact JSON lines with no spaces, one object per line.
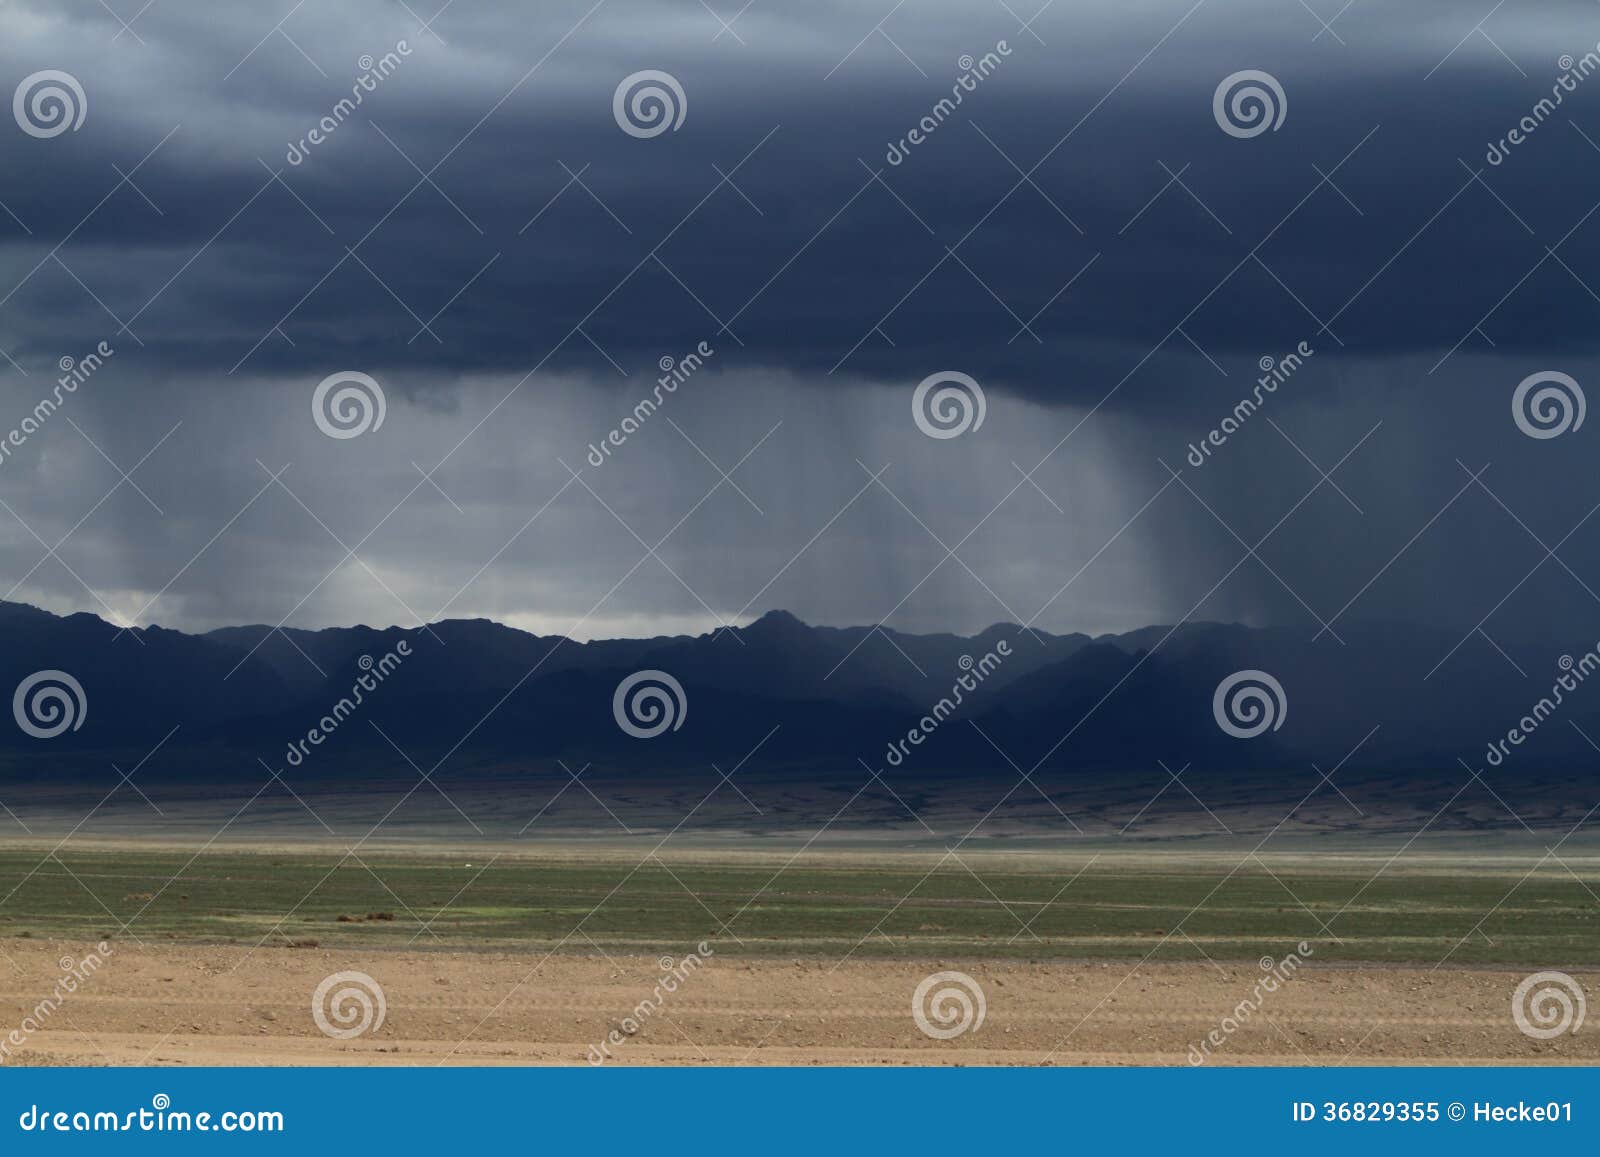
{"x":491,"y":700}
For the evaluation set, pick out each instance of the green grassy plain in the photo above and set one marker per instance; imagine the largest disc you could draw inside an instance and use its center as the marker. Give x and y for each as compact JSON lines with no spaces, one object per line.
{"x":1177,"y":906}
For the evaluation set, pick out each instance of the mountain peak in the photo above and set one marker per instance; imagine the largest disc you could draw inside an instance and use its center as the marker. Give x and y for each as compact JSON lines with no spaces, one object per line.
{"x":778,"y":619}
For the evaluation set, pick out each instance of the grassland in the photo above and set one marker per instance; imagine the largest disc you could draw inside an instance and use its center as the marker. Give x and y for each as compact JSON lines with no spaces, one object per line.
{"x":1170,"y":906}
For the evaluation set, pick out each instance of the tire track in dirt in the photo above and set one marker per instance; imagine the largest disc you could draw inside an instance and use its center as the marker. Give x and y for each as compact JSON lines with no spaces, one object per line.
{"x":191,"y":1004}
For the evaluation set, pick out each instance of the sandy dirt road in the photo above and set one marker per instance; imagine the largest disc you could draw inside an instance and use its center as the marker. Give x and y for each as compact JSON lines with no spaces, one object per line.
{"x":195,"y":1005}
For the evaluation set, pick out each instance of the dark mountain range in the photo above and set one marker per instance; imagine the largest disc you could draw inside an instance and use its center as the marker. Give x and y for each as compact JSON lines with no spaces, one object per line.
{"x":482,"y":698}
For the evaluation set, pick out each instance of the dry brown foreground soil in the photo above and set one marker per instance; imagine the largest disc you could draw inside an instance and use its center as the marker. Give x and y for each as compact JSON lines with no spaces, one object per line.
{"x":218,"y":1005}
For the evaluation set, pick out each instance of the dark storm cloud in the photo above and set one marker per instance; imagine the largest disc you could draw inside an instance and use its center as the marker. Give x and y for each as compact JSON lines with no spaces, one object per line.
{"x":804,"y":271}
{"x":1154,"y":259}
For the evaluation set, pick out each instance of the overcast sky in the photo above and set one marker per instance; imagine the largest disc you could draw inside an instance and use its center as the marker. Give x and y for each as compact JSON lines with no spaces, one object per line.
{"x":1081,"y":237}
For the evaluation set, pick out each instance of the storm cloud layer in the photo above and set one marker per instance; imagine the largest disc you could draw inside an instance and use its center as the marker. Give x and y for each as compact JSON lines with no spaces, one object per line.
{"x":1080,"y":235}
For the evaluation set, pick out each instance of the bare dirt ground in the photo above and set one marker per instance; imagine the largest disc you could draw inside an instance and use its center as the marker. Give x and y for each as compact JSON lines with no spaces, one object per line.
{"x":221,"y":1005}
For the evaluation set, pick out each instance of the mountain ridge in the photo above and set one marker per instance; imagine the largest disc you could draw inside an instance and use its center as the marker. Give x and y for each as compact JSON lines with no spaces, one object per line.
{"x":482,"y":696}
